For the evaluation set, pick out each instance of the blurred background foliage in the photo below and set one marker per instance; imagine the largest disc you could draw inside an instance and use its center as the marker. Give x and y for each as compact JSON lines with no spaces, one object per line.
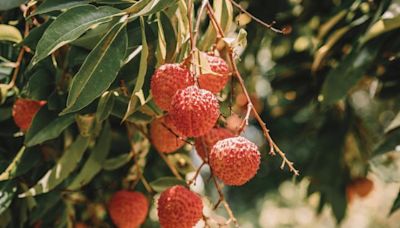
{"x":329,"y":91}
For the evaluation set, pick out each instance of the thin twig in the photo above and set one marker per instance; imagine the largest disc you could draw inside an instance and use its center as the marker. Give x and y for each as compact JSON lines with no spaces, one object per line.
{"x":269,"y":26}
{"x":223,"y":201}
{"x":193,"y":180}
{"x":273,"y":146}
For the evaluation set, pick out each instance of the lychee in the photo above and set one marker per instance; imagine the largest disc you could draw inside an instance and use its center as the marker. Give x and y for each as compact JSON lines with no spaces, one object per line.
{"x":360,"y":186}
{"x":128,"y":209}
{"x":166,"y":80}
{"x":164,"y":135}
{"x":206,"y":142}
{"x":23,"y":112}
{"x":217,"y":80}
{"x":234,"y":160}
{"x":179,"y":207}
{"x":194,"y":111}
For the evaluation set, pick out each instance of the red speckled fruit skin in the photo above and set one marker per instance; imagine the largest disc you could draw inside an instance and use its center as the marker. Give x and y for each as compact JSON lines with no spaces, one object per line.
{"x":194,"y":111}
{"x":178,"y":207}
{"x":206,"y":142}
{"x":215,"y":82}
{"x":168,"y":79}
{"x":162,"y":138}
{"x":23,"y":112}
{"x":234,"y":160}
{"x":128,"y":209}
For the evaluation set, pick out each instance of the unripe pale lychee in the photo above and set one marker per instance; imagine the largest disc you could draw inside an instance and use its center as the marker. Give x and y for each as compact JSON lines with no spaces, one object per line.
{"x":163,"y":137}
{"x":23,"y":112}
{"x":205,"y":143}
{"x":128,"y":209}
{"x":179,"y":207}
{"x":194,"y":111}
{"x":216,"y":81}
{"x":234,"y":160}
{"x":166,"y":80}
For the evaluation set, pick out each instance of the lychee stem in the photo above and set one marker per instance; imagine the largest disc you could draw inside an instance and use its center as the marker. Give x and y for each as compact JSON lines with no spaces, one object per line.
{"x":273,"y":146}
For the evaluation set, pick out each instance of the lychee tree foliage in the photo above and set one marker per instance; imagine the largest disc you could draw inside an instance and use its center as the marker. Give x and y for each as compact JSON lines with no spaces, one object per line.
{"x":99,"y":101}
{"x":102,"y":100}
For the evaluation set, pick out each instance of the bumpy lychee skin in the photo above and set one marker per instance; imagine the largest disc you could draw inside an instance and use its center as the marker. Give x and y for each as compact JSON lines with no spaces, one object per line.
{"x":179,"y":207}
{"x":166,"y":80}
{"x":128,"y":209}
{"x":217,"y":81}
{"x":205,"y":143}
{"x":164,"y":135}
{"x":234,"y":160}
{"x":23,"y":112}
{"x":194,"y":111}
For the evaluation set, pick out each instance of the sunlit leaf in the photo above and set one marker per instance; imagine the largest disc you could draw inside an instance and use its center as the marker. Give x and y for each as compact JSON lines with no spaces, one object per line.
{"x":67,"y":163}
{"x":161,"y":184}
{"x":10,"y":33}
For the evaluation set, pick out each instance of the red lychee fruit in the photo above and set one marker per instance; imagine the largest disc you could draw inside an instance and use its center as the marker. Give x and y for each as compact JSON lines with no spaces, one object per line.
{"x":360,"y":186}
{"x":216,"y":81}
{"x":164,"y":135}
{"x":234,"y":123}
{"x":166,"y":80}
{"x":234,"y":160}
{"x":128,"y":209}
{"x":206,"y":142}
{"x":179,"y":207}
{"x":23,"y":112}
{"x":194,"y":111}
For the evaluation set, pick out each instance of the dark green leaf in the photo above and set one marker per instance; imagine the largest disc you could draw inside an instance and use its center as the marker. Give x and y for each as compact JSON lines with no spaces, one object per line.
{"x":389,"y":143}
{"x":117,"y":162}
{"x":53,"y":5}
{"x":69,"y":26}
{"x":23,"y":162}
{"x":163,"y":183}
{"x":99,"y":69}
{"x":341,"y":79}
{"x":396,"y":204}
{"x":105,"y":106}
{"x":137,"y":94}
{"x":67,"y":163}
{"x":39,"y":86}
{"x":94,"y":163}
{"x":47,"y":125}
{"x":7,"y":191}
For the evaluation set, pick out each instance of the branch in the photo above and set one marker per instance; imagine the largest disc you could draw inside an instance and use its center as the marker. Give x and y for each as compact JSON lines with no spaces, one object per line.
{"x":269,"y":26}
{"x":272,"y":144}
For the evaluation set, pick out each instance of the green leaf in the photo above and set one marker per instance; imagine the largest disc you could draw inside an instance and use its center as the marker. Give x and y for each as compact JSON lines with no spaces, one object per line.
{"x":224,"y":15}
{"x":47,"y":125}
{"x":387,"y":166}
{"x":94,"y":163}
{"x":105,"y":106}
{"x":389,"y":143}
{"x":117,"y":162}
{"x":67,"y":163}
{"x":40,"y":85}
{"x":10,"y":33}
{"x":99,"y":69}
{"x":9,"y":4}
{"x":44,"y":203}
{"x":350,"y":70}
{"x":23,"y":162}
{"x":137,"y":94}
{"x":35,"y":35}
{"x":71,"y":25}
{"x":163,"y":183}
{"x":54,"y":5}
{"x":147,"y":7}
{"x":7,"y":192}
{"x":396,"y":204}
{"x":92,"y":37}
{"x":161,"y":44}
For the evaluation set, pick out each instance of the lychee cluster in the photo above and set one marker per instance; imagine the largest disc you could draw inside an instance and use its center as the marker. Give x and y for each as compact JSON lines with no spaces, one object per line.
{"x":128,"y":209}
{"x":23,"y":112}
{"x":179,"y":207}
